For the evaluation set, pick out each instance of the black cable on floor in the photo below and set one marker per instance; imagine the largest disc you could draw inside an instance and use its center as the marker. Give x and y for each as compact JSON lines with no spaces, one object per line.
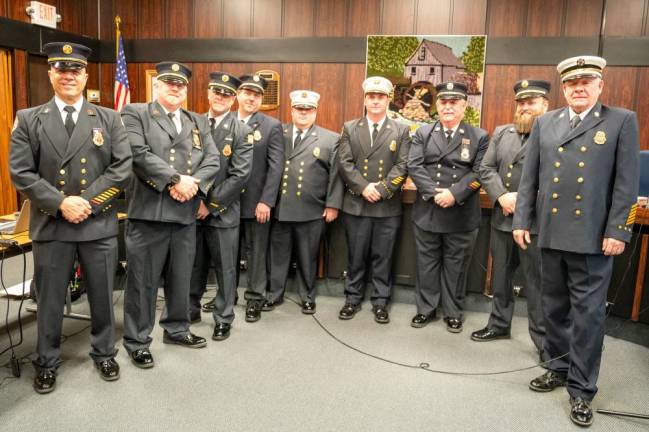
{"x":12,"y":346}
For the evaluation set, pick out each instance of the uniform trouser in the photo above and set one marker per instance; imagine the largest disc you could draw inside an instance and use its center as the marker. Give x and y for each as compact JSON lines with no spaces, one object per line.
{"x":507,"y":257}
{"x":370,"y":245}
{"x":154,"y":248}
{"x":53,"y":266}
{"x":218,"y":246}
{"x":442,"y":265}
{"x":573,"y":290}
{"x":305,"y":238}
{"x":254,"y":247}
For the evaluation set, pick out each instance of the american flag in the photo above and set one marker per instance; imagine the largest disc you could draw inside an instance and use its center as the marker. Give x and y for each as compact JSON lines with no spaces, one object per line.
{"x":122,"y":92}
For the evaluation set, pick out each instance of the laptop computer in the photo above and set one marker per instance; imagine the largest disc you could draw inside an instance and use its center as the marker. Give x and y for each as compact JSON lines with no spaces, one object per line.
{"x":21,"y":224}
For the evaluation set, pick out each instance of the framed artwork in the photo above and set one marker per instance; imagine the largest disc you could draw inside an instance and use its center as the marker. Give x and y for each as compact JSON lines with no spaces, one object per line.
{"x":416,"y":64}
{"x":151,"y":79}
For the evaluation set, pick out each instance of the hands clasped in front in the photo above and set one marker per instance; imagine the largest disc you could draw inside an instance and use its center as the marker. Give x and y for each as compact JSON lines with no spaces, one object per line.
{"x":75,"y":209}
{"x":185,"y":189}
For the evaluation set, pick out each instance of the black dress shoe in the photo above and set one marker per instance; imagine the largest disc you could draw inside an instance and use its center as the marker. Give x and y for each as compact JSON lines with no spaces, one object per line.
{"x":420,"y":320}
{"x":270,"y":305}
{"x":189,"y":340}
{"x":454,"y":325}
{"x":547,"y":382}
{"x":348,"y":311}
{"x":580,"y":412}
{"x":108,"y":369}
{"x":142,"y":358}
{"x":195,"y":317}
{"x":221,"y":331}
{"x":209,"y":306}
{"x":489,"y":334}
{"x":308,"y":308}
{"x":253,"y":312}
{"x":381,"y":315}
{"x":45,"y":381}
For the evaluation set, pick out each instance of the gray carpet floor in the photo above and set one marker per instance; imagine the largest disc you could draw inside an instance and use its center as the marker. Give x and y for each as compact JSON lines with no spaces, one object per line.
{"x":286,"y":373}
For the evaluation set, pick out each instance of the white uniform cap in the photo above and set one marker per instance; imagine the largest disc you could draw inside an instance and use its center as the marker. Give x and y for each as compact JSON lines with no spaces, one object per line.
{"x":581,"y":66}
{"x":377,"y":84}
{"x":304,"y":98}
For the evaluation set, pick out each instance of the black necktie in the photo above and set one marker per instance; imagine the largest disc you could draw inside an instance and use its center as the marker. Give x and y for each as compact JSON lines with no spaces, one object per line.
{"x":69,"y":122}
{"x":212,"y":123}
{"x":298,"y":139}
{"x":449,"y":136}
{"x":171,"y":117}
{"x":574,"y":122}
{"x":375,"y":132}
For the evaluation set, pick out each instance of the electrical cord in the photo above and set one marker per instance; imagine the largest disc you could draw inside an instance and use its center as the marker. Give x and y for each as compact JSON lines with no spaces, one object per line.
{"x":14,"y":362}
{"x":426,"y":366}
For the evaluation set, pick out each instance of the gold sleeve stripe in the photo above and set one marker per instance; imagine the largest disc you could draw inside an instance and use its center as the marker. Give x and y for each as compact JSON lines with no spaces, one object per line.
{"x":632,"y":214}
{"x":215,"y":205}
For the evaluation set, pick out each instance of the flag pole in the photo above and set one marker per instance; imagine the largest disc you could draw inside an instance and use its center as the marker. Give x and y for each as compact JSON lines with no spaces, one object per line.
{"x":118,"y":20}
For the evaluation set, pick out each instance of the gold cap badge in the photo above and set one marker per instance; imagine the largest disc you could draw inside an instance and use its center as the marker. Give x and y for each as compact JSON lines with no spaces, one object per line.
{"x":525,"y":84}
{"x":175,"y":67}
{"x":581,"y":62}
{"x":67,"y":49}
{"x":225,"y":78}
{"x":449,"y":86}
{"x":256,"y":78}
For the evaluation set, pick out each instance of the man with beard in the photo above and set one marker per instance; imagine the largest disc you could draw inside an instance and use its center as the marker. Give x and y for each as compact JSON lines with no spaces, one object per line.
{"x":580,"y":183}
{"x":372,"y":154}
{"x":310,"y":196}
{"x":500,"y":173}
{"x":174,"y":160}
{"x":71,"y":159}
{"x":217,"y":232}
{"x":260,"y":194}
{"x":443,"y":162}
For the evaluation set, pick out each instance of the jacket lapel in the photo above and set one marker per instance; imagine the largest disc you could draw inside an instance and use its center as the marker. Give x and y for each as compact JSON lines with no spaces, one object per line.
{"x":188,"y":126}
{"x":53,"y":127}
{"x":310,"y":137}
{"x":514,"y":138}
{"x":363,"y":135}
{"x":161,"y":118}
{"x":592,"y":119}
{"x":288,"y":140}
{"x":82,"y":131}
{"x":221,"y":131}
{"x":455,"y":141}
{"x":438,"y":140}
{"x":384,"y":136}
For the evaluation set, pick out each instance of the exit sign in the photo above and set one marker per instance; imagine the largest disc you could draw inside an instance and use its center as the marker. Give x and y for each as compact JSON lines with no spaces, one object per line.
{"x":43,"y":14}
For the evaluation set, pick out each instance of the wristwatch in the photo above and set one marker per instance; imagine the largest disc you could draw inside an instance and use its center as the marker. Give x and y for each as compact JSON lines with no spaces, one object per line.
{"x":175,"y":179}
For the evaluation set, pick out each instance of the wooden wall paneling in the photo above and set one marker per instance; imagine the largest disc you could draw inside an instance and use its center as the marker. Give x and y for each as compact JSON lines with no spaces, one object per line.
{"x":642,"y":107}
{"x":545,"y":18}
{"x":433,"y":17}
{"x":331,"y":17}
{"x":353,"y":92}
{"x":178,"y":18}
{"x":332,"y":96}
{"x":507,"y":18}
{"x":267,"y":18}
{"x":72,"y":14}
{"x":364,"y":17}
{"x":398,"y":17}
{"x":137,"y":81}
{"x":236,"y":18}
{"x":294,"y":76}
{"x":469,"y":17}
{"x":620,"y":87}
{"x":21,"y":81}
{"x":90,"y":19}
{"x":298,"y":18}
{"x":583,"y":17}
{"x":624,"y":17}
{"x":150,"y":19}
{"x":4,"y":11}
{"x":93,"y":77}
{"x":106,"y":23}
{"x":277,"y":67}
{"x":107,"y":84}
{"x":498,"y":103}
{"x":208,"y":19}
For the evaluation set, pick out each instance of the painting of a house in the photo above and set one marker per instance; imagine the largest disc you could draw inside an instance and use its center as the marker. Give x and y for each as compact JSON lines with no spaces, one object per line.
{"x":433,"y":62}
